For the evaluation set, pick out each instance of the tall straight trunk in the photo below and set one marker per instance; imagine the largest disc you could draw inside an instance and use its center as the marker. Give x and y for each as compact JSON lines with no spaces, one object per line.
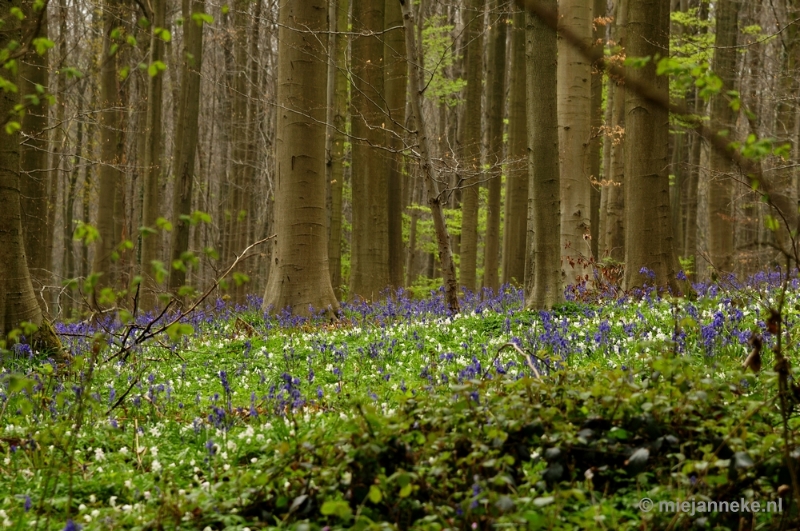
{"x":495,"y":99}
{"x":17,"y":299}
{"x":470,"y":142}
{"x":336,"y":160}
{"x":58,"y":147}
{"x":574,"y":120}
{"x":187,"y":133}
{"x":110,"y":158}
{"x":34,"y":159}
{"x":516,"y":217}
{"x":425,"y":145}
{"x":543,"y":277}
{"x":253,"y":198}
{"x":299,"y":277}
{"x":153,"y":150}
{"x":648,"y":236}
{"x":596,"y":139}
{"x":70,"y":213}
{"x":720,"y":185}
{"x":395,"y":86}
{"x":369,"y":271}
{"x":614,"y":226}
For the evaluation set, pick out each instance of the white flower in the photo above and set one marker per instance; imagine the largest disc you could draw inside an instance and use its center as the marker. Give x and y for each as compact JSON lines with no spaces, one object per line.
{"x":95,"y":513}
{"x":99,"y":455}
{"x":128,"y":484}
{"x":81,"y":507}
{"x":123,"y":450}
{"x":231,"y":446}
{"x":112,"y":501}
{"x":254,"y":460}
{"x":146,"y":495}
{"x":154,"y":450}
{"x":347,"y":477}
{"x":156,"y":466}
{"x":87,"y":518}
{"x":92,"y":498}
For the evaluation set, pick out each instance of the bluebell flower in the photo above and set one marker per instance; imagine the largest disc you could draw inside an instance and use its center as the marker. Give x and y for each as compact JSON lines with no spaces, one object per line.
{"x":27,"y":503}
{"x":72,"y":526}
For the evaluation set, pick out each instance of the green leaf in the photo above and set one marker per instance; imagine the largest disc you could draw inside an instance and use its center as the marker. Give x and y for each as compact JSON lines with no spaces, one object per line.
{"x":17,"y":12}
{"x":12,"y":127}
{"x":156,"y":67}
{"x":42,"y":44}
{"x":164,"y":224}
{"x":177,"y":330}
{"x":375,"y":495}
{"x":405,"y":492}
{"x":202,"y":18}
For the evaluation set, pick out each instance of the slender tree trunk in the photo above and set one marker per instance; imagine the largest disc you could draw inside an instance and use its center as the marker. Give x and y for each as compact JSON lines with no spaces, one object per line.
{"x":574,"y":120}
{"x":110,"y":158}
{"x":299,"y":278}
{"x":426,"y":163}
{"x":34,"y":159}
{"x":470,"y":143}
{"x":395,"y":84}
{"x":496,"y":98}
{"x":151,"y":206}
{"x":596,"y":138}
{"x":336,"y":161}
{"x":648,"y":236}
{"x":543,"y":277}
{"x":720,"y":186}
{"x":369,"y":270}
{"x":615,"y":207}
{"x":187,"y":132}
{"x":516,"y":217}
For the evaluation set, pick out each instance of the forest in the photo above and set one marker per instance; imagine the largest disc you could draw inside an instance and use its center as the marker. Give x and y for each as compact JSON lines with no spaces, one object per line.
{"x":399,"y":264}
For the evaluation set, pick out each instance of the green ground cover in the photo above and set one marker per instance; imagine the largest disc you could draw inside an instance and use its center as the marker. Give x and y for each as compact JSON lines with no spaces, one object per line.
{"x":400,"y":416}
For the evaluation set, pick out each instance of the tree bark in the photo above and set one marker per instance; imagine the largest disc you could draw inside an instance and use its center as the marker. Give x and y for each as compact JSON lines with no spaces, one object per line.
{"x":187,"y":133}
{"x":299,"y":278}
{"x":110,"y":158}
{"x":648,"y":236}
{"x":720,"y":185}
{"x":369,"y":266}
{"x":17,"y":299}
{"x":34,"y":158}
{"x":395,"y":85}
{"x":151,"y":207}
{"x":574,"y":120}
{"x":615,"y":207}
{"x":470,"y":143}
{"x":336,"y":160}
{"x":516,"y":217}
{"x":543,"y":276}
{"x":595,"y":138}
{"x":495,"y":98}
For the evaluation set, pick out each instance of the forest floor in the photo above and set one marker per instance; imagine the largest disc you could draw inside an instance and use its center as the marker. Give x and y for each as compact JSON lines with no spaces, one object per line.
{"x":399,"y":416}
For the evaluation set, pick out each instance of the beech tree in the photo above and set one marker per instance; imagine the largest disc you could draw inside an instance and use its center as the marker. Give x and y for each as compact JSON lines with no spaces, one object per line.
{"x":649,"y":255}
{"x":299,"y":276}
{"x":543,"y":268}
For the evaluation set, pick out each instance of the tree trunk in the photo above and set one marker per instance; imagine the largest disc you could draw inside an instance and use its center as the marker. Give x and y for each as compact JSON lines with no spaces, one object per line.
{"x":151,"y":206}
{"x":425,"y":144}
{"x":574,"y":120}
{"x":720,"y":185}
{"x":369,"y":271}
{"x":187,"y":132}
{"x":470,"y":143}
{"x":17,"y":299}
{"x":615,"y":206}
{"x":596,"y":138}
{"x":395,"y":85}
{"x":110,"y":158}
{"x":543,"y":277}
{"x":299,"y":278}
{"x":34,"y":163}
{"x":516,"y":218}
{"x":496,"y":98}
{"x":648,"y":236}
{"x":336,"y":161}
